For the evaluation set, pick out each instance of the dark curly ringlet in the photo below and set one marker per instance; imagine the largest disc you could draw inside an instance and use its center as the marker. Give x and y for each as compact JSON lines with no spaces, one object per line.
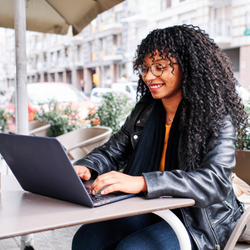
{"x":208,"y":86}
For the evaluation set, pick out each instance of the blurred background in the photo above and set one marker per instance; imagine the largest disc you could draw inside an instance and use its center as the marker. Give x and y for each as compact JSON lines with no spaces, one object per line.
{"x":99,"y":60}
{"x":103,"y":52}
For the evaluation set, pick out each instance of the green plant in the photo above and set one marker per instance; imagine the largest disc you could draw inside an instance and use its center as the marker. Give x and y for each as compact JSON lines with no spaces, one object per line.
{"x":112,"y":112}
{"x":246,"y":141}
{"x":4,"y":120}
{"x":62,"y":120}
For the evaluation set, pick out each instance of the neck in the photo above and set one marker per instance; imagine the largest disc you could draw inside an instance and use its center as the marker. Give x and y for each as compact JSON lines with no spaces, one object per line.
{"x":171,"y":107}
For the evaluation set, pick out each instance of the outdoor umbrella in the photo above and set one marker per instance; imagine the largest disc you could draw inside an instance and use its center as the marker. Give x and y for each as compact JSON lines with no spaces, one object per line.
{"x":55,"y":16}
{"x":48,"y":16}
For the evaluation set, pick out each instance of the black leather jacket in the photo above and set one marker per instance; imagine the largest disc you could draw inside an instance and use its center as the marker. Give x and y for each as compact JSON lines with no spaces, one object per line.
{"x":216,"y":211}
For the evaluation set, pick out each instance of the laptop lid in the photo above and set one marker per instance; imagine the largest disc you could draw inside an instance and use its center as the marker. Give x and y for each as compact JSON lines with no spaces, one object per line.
{"x":42,"y":166}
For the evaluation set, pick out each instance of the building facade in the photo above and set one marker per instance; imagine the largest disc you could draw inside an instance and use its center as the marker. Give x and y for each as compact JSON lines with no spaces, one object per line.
{"x":103,"y":52}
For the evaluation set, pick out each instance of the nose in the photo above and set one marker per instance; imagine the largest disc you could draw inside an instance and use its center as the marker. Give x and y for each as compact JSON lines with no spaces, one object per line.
{"x":149,"y":76}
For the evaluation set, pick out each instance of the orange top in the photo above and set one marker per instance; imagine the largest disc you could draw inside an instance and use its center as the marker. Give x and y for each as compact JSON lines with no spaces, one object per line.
{"x":162,"y":164}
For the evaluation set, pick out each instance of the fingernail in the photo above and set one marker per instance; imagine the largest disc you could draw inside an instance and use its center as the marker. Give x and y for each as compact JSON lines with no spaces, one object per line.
{"x":102,"y":192}
{"x":93,"y":192}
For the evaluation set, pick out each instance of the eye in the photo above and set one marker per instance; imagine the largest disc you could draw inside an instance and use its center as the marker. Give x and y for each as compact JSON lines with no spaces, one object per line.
{"x":158,"y":66}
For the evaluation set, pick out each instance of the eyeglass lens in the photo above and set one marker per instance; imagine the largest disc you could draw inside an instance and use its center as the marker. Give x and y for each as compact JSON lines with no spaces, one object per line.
{"x":156,"y":69}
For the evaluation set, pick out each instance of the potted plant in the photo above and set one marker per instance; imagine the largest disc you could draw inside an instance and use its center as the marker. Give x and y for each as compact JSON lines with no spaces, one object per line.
{"x":4,"y":120}
{"x":242,"y":155}
{"x":61,"y":120}
{"x":112,"y":112}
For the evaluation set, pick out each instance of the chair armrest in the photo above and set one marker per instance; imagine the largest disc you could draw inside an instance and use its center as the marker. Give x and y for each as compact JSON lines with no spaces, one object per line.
{"x":177,"y":226}
{"x":44,"y":127}
{"x":90,"y":141}
{"x":238,"y":230}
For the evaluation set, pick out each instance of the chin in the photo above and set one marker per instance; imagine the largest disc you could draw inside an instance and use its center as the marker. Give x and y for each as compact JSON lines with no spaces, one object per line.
{"x":155,"y":96}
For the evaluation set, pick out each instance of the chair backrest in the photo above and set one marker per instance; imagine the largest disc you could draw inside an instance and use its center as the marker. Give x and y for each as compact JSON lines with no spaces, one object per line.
{"x":37,"y":128}
{"x":241,"y":170}
{"x":80,"y":142}
{"x":237,"y":232}
{"x":243,"y":165}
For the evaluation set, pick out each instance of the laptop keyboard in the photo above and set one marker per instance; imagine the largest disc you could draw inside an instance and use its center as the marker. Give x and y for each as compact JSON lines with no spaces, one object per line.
{"x":99,"y":199}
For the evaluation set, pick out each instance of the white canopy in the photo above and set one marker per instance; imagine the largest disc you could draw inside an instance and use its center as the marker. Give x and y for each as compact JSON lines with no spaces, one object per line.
{"x":55,"y":16}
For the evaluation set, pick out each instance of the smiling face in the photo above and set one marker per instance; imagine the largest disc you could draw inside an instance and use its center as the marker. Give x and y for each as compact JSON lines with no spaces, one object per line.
{"x":167,"y":86}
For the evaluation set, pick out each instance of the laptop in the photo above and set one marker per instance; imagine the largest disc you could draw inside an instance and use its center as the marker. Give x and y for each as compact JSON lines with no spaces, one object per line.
{"x":42,"y":166}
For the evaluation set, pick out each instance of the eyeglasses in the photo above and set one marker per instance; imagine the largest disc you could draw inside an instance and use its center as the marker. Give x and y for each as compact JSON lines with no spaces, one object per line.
{"x":156,"y":69}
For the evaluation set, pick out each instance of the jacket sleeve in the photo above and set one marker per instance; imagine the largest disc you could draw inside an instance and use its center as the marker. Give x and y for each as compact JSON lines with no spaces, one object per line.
{"x":112,"y":155}
{"x":208,"y":184}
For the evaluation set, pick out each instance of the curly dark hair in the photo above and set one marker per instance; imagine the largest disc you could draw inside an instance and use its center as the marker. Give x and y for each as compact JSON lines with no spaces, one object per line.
{"x":208,"y":86}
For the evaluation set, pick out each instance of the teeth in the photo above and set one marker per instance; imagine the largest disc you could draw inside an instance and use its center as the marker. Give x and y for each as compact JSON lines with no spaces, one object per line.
{"x":155,"y":86}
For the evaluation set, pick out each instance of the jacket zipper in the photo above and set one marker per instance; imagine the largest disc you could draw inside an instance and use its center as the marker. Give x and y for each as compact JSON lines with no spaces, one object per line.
{"x":229,"y":205}
{"x":217,"y":246}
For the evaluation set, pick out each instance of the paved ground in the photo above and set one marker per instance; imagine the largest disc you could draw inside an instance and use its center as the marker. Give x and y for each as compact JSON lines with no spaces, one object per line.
{"x":59,"y":239}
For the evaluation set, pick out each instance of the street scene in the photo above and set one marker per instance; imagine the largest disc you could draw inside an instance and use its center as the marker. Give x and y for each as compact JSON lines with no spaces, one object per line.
{"x":76,"y":76}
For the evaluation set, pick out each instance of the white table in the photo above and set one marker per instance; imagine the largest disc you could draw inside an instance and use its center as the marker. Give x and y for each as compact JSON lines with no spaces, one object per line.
{"x":22,"y":213}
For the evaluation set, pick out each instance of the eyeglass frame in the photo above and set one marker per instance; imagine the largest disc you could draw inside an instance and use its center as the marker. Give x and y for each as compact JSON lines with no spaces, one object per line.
{"x":162,"y":69}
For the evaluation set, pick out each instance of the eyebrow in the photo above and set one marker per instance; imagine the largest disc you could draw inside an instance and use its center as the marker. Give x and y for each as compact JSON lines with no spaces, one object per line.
{"x":158,"y":60}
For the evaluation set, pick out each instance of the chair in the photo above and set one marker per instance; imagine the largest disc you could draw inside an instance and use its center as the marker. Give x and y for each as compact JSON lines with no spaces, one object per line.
{"x":241,"y":170}
{"x":243,"y":164}
{"x":79,"y":143}
{"x":37,"y":128}
{"x":231,"y":244}
{"x":177,"y":226}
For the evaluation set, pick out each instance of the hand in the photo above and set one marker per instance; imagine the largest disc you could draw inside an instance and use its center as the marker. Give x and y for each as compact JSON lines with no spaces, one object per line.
{"x":83,"y":172}
{"x":116,"y":181}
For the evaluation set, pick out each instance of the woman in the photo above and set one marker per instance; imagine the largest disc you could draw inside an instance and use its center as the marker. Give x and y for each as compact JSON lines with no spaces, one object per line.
{"x":179,"y":141}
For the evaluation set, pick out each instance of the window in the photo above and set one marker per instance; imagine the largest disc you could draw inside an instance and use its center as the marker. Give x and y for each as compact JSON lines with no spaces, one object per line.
{"x":165,"y":4}
{"x":117,"y":40}
{"x":57,"y":56}
{"x":118,"y":16}
{"x":92,"y":51}
{"x":44,"y":57}
{"x":221,"y":21}
{"x":51,"y":57}
{"x":92,"y":47}
{"x":79,"y":53}
{"x":66,"y":52}
{"x":248,"y":20}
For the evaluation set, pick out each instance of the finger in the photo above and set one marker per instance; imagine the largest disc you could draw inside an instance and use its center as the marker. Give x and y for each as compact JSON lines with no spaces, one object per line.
{"x":85,"y":175}
{"x":103,"y":181}
{"x":111,"y":188}
{"x":83,"y":172}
